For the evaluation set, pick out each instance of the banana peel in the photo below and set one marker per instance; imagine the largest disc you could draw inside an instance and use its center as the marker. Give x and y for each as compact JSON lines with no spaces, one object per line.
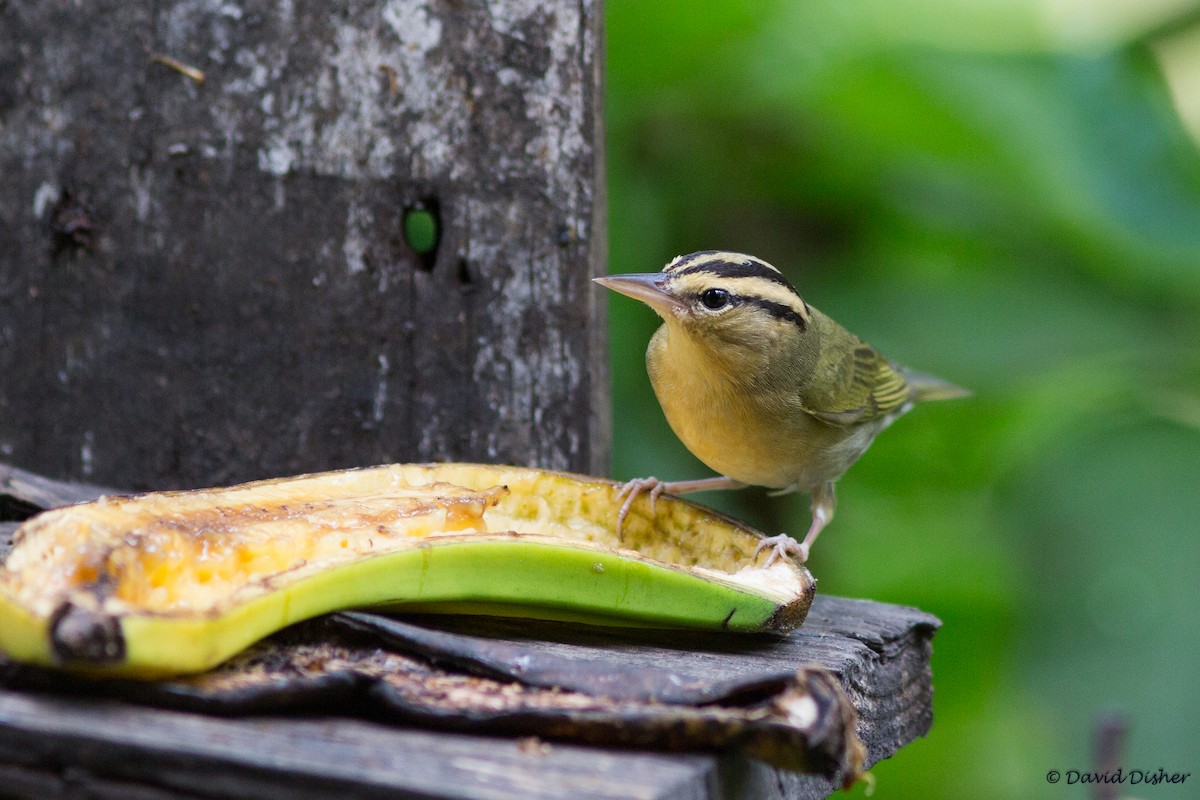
{"x":174,"y":583}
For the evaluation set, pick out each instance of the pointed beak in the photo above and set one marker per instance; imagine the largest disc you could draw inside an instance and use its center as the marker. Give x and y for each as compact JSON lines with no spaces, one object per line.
{"x":649,"y":287}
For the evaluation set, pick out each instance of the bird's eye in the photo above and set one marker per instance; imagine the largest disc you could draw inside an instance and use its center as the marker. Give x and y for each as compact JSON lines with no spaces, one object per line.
{"x":714,"y":299}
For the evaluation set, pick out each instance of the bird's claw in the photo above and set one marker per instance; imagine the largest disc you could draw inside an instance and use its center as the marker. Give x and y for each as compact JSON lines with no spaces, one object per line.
{"x":782,"y":545}
{"x":630,"y":491}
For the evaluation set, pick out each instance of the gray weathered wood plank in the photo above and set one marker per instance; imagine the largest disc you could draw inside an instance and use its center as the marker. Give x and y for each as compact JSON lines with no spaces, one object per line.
{"x":210,"y":757}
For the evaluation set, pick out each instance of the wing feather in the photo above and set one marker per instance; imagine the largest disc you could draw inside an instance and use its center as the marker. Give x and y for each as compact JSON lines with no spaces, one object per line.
{"x":855,"y":386}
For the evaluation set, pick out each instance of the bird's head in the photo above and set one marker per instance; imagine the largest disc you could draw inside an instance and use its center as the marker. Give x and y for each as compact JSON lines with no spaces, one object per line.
{"x":727,"y":302}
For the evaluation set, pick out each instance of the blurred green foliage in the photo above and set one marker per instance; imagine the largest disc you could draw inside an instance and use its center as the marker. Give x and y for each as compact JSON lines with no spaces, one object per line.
{"x":1013,"y":205}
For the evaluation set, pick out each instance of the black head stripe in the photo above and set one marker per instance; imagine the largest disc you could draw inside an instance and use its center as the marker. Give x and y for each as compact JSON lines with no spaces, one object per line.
{"x":777,"y":310}
{"x":683,"y":261}
{"x":738,"y":269}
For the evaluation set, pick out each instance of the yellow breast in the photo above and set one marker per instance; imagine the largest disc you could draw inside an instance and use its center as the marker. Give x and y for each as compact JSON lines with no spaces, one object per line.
{"x":740,"y":432}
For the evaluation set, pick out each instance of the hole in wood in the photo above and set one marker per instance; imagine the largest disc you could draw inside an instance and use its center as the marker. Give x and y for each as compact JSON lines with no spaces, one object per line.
{"x":422,"y":231}
{"x":71,"y":223}
{"x":463,"y":273}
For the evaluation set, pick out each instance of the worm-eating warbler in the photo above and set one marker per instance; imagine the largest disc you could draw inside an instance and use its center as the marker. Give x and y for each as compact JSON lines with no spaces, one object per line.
{"x":762,"y":387}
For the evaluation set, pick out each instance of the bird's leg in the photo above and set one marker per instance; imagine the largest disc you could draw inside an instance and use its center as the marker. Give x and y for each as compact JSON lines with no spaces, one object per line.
{"x":824,"y":501}
{"x":630,"y":491}
{"x":655,"y":487}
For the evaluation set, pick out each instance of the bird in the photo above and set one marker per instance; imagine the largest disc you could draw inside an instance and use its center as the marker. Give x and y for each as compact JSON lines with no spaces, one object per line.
{"x":761,"y":386}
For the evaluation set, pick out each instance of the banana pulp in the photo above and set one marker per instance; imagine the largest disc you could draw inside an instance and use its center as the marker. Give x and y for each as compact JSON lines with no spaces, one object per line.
{"x":176,"y":582}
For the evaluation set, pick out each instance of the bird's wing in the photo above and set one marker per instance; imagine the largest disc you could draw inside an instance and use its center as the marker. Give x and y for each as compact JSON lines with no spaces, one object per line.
{"x":854,"y":386}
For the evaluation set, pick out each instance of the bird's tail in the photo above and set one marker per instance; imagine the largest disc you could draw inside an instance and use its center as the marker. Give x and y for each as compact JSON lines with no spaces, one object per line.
{"x":927,"y":387}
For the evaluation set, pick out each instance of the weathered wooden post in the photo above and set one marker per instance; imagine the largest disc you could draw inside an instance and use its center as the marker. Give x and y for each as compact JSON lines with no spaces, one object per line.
{"x":205,"y":272}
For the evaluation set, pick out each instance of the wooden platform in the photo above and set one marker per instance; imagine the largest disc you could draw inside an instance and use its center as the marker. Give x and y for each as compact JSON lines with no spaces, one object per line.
{"x":52,"y":746}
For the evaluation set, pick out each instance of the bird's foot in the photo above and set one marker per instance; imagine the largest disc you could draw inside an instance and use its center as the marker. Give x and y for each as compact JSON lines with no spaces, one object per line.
{"x":781,"y":546}
{"x":630,"y":491}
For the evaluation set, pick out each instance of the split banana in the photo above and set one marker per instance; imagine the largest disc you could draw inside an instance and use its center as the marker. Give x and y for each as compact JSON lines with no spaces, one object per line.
{"x":176,"y":582}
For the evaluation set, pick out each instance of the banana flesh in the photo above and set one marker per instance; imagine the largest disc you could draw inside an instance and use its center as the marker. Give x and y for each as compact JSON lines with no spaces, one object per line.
{"x":176,"y":582}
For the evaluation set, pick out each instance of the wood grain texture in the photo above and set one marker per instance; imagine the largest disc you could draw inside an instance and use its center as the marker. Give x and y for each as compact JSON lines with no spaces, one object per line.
{"x":197,"y":756}
{"x":207,"y":282}
{"x":24,"y":493}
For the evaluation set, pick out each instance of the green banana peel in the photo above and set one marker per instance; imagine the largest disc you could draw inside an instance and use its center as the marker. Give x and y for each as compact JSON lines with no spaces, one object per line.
{"x":176,"y":582}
